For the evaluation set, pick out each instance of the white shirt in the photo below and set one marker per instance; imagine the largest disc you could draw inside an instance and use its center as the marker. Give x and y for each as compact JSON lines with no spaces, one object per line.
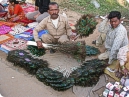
{"x":115,"y":38}
{"x":55,"y":22}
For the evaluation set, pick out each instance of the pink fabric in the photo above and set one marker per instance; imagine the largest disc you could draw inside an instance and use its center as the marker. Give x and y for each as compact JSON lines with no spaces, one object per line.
{"x":30,"y":31}
{"x":29,"y":9}
{"x":4,"y":29}
{"x":122,"y":54}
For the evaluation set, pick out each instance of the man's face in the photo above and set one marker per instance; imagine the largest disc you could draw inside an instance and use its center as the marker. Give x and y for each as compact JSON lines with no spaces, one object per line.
{"x":53,"y":11}
{"x":114,"y":22}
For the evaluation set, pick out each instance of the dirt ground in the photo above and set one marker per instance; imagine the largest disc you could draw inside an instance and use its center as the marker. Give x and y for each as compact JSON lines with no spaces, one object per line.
{"x":15,"y":82}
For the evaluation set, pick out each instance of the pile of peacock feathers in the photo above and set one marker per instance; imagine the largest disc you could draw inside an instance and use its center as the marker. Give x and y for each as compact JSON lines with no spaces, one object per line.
{"x":54,"y":79}
{"x":76,"y":49}
{"x":24,"y":60}
{"x":34,"y":50}
{"x":90,"y":50}
{"x":86,"y":25}
{"x":89,"y":72}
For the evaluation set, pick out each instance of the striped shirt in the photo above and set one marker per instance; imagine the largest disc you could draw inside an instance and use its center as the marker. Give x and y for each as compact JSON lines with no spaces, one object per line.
{"x":115,"y":38}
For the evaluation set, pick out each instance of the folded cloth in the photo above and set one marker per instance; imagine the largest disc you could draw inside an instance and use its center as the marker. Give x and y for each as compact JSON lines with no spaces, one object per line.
{"x":42,"y":32}
{"x":4,"y":29}
{"x":14,"y":44}
{"x":25,"y":36}
{"x":4,"y":50}
{"x":29,"y":31}
{"x":32,"y":25}
{"x":10,"y":24}
{"x":110,"y":73}
{"x":18,"y":29}
{"x":6,"y":37}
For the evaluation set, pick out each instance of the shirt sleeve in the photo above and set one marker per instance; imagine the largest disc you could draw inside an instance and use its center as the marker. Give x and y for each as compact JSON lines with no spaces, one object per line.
{"x":104,"y":26}
{"x":116,"y":45}
{"x":68,"y":28}
{"x":16,"y":9}
{"x":39,"y":27}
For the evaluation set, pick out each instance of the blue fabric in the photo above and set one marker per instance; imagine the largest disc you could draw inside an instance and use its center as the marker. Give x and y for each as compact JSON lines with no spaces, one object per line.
{"x":4,"y":50}
{"x":25,"y":38}
{"x":42,"y":32}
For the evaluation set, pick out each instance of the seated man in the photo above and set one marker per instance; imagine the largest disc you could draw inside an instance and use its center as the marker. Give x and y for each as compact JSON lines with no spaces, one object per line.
{"x":116,"y":36}
{"x":57,"y":26}
{"x":41,"y":8}
{"x":122,"y":64}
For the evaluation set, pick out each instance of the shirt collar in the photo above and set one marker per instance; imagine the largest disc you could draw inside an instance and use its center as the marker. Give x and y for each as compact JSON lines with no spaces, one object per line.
{"x":60,"y":18}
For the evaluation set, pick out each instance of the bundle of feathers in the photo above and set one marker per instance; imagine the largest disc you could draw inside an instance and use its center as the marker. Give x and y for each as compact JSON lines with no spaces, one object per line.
{"x":24,"y":60}
{"x":89,"y":72}
{"x":54,"y":79}
{"x":76,"y":49}
{"x":86,"y":25}
{"x":91,"y":51}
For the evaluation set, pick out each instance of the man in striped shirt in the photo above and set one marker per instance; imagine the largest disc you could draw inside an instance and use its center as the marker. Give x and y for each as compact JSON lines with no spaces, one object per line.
{"x":116,"y":36}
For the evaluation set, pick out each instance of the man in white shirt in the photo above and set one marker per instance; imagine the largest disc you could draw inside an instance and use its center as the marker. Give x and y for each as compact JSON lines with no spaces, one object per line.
{"x":116,"y":36}
{"x":57,"y":26}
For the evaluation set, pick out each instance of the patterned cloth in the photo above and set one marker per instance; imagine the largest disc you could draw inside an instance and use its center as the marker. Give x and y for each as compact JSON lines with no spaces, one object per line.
{"x":7,"y":23}
{"x":115,"y":38}
{"x":6,"y":37}
{"x":14,"y":44}
{"x":4,"y":29}
{"x":122,"y":55}
{"x":25,"y":35}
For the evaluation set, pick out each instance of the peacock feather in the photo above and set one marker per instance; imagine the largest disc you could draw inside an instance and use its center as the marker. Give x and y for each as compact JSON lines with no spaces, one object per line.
{"x":86,"y":25}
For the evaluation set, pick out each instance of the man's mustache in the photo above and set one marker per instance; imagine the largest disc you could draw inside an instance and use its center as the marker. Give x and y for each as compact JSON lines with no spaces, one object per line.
{"x":54,"y":14}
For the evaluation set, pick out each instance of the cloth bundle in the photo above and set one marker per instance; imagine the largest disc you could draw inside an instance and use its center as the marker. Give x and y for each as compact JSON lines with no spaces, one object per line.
{"x":4,"y":29}
{"x":25,"y":35}
{"x":18,"y":29}
{"x":14,"y":44}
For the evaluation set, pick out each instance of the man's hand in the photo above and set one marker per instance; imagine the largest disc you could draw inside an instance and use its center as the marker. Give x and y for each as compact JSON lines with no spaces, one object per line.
{"x":125,"y":71}
{"x":72,"y":37}
{"x":39,"y":44}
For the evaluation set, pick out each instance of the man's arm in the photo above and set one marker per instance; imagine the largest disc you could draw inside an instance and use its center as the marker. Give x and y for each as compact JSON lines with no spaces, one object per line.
{"x":116,"y":45}
{"x":68,"y":29}
{"x":103,"y":26}
{"x":39,"y":27}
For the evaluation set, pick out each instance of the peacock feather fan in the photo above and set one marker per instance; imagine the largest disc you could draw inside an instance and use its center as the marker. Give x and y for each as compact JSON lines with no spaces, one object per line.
{"x":54,"y":79}
{"x":24,"y":60}
{"x":76,"y":49}
{"x":86,"y":25}
{"x":34,"y":50}
{"x":88,"y":74}
{"x":90,"y":50}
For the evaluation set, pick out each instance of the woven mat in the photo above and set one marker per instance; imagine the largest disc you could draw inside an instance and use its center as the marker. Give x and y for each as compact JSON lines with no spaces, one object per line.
{"x":6,"y":37}
{"x":14,"y":44}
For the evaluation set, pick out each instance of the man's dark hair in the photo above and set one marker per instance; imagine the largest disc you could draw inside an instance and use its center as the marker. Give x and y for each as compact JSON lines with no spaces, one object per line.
{"x":53,"y":3}
{"x":114,"y":14}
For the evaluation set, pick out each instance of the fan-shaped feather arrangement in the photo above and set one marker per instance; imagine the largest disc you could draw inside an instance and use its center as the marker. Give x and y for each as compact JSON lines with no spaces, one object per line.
{"x":86,"y":25}
{"x":89,"y":72}
{"x":54,"y":79}
{"x":90,"y":50}
{"x":76,"y":49}
{"x":22,"y":59}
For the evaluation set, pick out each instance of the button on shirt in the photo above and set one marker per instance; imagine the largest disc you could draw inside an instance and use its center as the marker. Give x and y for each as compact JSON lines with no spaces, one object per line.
{"x":115,"y":38}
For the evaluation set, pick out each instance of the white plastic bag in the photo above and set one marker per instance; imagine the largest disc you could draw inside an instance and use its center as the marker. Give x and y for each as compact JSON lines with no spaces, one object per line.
{"x":96,"y":4}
